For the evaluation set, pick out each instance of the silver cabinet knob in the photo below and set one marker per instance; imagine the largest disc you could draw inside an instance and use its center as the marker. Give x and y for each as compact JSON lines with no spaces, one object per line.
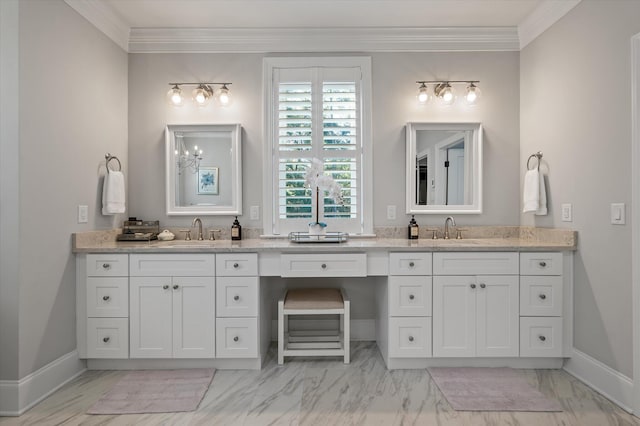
{"x":236,"y":297}
{"x":411,"y":297}
{"x":105,"y":298}
{"x":106,"y":339}
{"x":106,"y":266}
{"x":175,"y":286}
{"x":235,"y":265}
{"x":473,"y":286}
{"x":235,"y":339}
{"x":411,"y":338}
{"x":165,"y":287}
{"x":542,"y":296}
{"x":323,"y":266}
{"x":542,"y":338}
{"x":542,"y":264}
{"x":483,"y":285}
{"x":411,"y":264}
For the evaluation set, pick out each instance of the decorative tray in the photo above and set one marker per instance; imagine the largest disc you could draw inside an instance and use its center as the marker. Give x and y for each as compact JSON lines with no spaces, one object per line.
{"x":329,"y":237}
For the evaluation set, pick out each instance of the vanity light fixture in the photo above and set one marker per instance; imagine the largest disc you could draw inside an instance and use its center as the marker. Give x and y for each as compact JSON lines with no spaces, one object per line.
{"x":202,"y":94}
{"x":185,"y":159}
{"x":445,"y":92}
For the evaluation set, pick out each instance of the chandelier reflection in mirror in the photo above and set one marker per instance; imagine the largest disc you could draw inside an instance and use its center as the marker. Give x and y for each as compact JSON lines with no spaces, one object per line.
{"x":201,"y":95}
{"x":445,"y":92}
{"x":187,"y":159}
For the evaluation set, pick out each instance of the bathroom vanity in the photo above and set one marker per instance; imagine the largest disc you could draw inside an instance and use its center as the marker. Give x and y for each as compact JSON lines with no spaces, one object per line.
{"x":485,"y":301}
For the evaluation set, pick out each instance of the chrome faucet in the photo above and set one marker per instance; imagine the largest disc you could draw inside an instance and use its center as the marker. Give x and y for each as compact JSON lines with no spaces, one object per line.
{"x":193,"y":225}
{"x":446,"y":226}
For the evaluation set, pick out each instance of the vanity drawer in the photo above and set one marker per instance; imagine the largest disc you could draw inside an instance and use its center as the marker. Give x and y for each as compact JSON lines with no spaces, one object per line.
{"x":236,"y":337}
{"x":107,"y":265}
{"x":237,"y":264}
{"x":164,"y":265}
{"x":540,"y":337}
{"x":541,"y":296}
{"x":107,"y":338}
{"x":237,"y":296}
{"x":108,"y":297}
{"x":540,"y":263}
{"x":409,"y":337}
{"x":410,"y":263}
{"x":410,"y":296}
{"x":474,"y":263}
{"x":324,"y":265}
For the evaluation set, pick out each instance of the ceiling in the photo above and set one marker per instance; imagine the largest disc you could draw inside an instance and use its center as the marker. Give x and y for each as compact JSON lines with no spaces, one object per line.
{"x":321,"y":25}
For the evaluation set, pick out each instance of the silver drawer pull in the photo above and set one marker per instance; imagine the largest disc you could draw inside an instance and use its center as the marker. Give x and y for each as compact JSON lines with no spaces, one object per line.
{"x":473,"y":286}
{"x":411,"y":338}
{"x":542,"y":296}
{"x":542,"y":264}
{"x":106,"y":339}
{"x":411,"y":264}
{"x":235,"y":265}
{"x":105,"y":298}
{"x":165,"y":287}
{"x":235,"y":339}
{"x":483,"y":285}
{"x":542,"y":338}
{"x":236,"y":297}
{"x":411,"y":297}
{"x":175,"y":286}
{"x":323,"y":266}
{"x":106,"y":266}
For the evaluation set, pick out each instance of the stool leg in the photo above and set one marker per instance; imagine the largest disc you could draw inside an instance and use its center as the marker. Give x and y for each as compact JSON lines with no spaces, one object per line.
{"x":347,"y":337}
{"x":281,"y":332}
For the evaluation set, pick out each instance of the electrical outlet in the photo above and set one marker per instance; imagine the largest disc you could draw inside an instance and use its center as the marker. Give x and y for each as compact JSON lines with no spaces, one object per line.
{"x":83,"y":214}
{"x":567,"y":213}
{"x":255,"y":213}
{"x":391,"y":212}
{"x":618,"y":214}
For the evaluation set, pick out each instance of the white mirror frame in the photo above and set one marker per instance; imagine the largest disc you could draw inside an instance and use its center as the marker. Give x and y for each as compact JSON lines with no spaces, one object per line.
{"x":475,"y":163}
{"x":235,"y":208}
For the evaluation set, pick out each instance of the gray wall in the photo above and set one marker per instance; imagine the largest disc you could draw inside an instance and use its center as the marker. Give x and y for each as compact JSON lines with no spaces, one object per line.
{"x":575,"y":107}
{"x":394,"y":104}
{"x":73,"y":109}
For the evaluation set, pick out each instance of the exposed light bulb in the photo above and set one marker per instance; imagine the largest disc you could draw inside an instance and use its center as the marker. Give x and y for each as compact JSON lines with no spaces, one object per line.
{"x":174,"y":96}
{"x":423,"y":94}
{"x":202,"y":95}
{"x":446,"y":95}
{"x":473,"y":94}
{"x":224,"y":96}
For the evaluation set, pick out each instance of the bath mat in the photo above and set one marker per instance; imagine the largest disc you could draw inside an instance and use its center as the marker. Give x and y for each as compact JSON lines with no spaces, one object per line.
{"x":490,"y":389}
{"x":155,"y":391}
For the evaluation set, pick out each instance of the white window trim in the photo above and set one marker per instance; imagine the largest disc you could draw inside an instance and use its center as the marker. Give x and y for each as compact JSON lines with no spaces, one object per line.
{"x":268,"y":195}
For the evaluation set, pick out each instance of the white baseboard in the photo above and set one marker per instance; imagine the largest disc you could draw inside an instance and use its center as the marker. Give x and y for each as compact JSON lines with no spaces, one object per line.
{"x":612,"y":384}
{"x":17,"y":396}
{"x":360,"y":329}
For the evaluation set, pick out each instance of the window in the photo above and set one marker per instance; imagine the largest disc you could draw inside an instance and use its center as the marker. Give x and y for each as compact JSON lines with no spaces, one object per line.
{"x":317,"y":108}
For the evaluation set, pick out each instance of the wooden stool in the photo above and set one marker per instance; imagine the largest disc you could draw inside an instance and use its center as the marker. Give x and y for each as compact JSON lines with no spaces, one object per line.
{"x":315,"y":301}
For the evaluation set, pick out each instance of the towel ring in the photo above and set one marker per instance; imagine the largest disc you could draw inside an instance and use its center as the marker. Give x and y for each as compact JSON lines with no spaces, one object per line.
{"x":537,"y":155}
{"x":108,"y":157}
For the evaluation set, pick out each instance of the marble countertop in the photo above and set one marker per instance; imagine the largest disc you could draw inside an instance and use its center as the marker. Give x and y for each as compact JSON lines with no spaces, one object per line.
{"x":104,"y":242}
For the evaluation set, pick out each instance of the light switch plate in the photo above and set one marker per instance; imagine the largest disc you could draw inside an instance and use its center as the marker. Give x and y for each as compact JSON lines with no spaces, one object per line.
{"x":83,"y":214}
{"x":618,"y":214}
{"x":567,"y":212}
{"x":391,"y":212}
{"x":255,"y":213}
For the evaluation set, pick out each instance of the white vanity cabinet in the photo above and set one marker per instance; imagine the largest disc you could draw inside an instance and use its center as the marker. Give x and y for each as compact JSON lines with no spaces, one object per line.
{"x":172,"y":305}
{"x":475,"y":305}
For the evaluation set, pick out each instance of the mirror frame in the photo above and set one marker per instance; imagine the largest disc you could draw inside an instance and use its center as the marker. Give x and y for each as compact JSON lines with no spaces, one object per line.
{"x":235,"y":208}
{"x":475,"y":162}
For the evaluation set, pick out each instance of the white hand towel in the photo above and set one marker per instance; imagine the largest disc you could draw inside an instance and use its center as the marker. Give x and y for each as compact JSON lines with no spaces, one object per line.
{"x":531,"y":192}
{"x":542,"y":201}
{"x":113,"y":193}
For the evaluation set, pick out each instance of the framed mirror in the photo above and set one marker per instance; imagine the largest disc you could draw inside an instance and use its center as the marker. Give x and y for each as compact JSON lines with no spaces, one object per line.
{"x":444,"y":168}
{"x":203,"y":169}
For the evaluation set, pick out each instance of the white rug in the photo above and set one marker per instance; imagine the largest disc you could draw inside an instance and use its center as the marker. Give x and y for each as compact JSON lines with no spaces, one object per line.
{"x":155,"y":391}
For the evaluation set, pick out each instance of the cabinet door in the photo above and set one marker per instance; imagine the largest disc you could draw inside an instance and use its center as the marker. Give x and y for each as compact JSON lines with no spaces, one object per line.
{"x":150,"y":317}
{"x":193,"y":317}
{"x":497,"y":304}
{"x":454,"y":316}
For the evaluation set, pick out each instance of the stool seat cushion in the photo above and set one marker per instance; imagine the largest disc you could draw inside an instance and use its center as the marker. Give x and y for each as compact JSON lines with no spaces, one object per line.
{"x":314,"y":298}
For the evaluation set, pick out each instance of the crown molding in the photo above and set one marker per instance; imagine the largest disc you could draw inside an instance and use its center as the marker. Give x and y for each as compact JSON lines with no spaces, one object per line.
{"x":544,"y":16}
{"x":104,"y":19}
{"x":372,"y":39}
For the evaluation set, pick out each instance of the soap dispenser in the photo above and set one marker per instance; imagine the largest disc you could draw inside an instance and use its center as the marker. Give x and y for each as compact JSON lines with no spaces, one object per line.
{"x":236,"y":230}
{"x":413,"y":228}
